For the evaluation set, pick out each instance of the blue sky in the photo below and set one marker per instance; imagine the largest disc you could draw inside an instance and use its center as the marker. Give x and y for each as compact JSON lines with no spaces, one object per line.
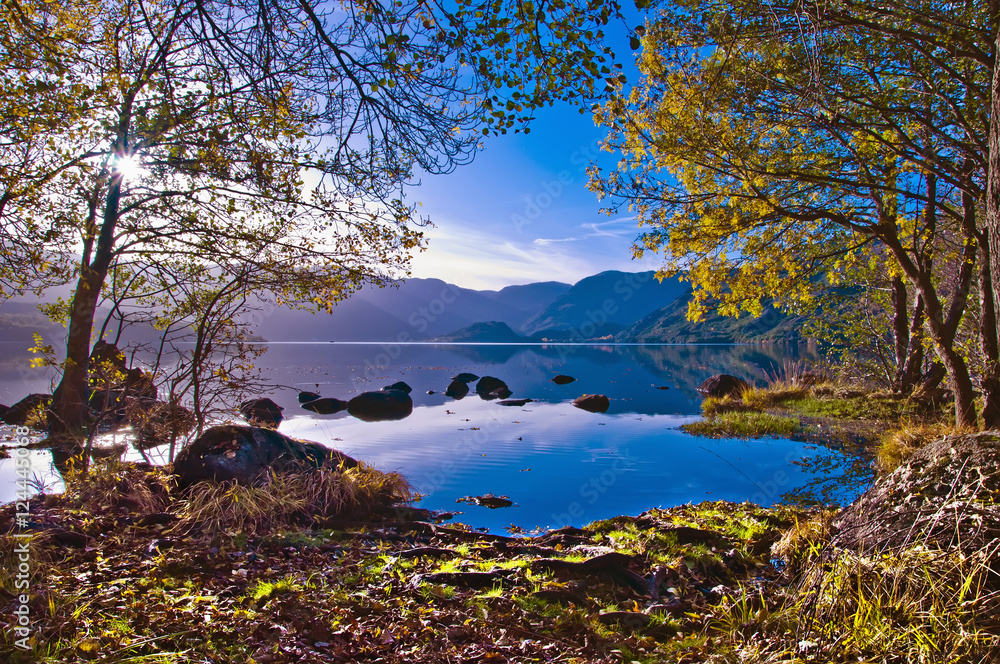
{"x":521,"y":212}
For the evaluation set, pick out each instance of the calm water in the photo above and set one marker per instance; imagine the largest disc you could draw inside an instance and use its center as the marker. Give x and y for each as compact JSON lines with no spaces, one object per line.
{"x":560,"y":465}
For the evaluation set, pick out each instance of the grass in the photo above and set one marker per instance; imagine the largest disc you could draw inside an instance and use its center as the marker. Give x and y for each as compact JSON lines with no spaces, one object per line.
{"x":747,"y":424}
{"x":897,"y":445}
{"x":288,"y":500}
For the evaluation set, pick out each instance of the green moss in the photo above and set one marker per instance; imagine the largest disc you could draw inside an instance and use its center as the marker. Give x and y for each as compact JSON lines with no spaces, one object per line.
{"x":743,"y":425}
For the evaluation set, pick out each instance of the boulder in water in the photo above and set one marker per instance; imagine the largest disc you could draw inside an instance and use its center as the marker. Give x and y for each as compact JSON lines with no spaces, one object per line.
{"x":722,"y":385}
{"x":378,"y":406}
{"x":594,"y":403}
{"x":325,"y":406}
{"x":262,"y":412}
{"x":465,"y":377}
{"x":246,"y":454}
{"x":306,"y":397}
{"x":489,"y":388}
{"x":19,"y":413}
{"x":457,"y":389}
{"x":562,"y":379}
{"x":401,"y":386}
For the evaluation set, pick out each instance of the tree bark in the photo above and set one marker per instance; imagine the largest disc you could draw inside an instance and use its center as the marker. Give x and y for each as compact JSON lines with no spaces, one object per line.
{"x":69,"y":414}
{"x":989,"y":332}
{"x":913,"y":365}
{"x":900,"y":329}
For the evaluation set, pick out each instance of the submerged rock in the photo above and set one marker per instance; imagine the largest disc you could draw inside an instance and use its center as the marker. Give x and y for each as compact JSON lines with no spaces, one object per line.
{"x":378,"y":406}
{"x":488,"y":500}
{"x":514,"y":402}
{"x":563,"y":379}
{"x":245,"y":454}
{"x":722,"y":385}
{"x":325,"y":406}
{"x":262,"y":412}
{"x":594,"y":403}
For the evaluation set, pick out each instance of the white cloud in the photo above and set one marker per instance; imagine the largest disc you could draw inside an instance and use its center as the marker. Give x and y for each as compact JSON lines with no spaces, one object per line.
{"x":487,"y":259}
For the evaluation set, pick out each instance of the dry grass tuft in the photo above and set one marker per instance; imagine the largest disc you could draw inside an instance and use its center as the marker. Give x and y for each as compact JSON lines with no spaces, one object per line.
{"x":920,"y":605}
{"x":285,"y":500}
{"x":896,"y":446}
{"x":112,"y":484}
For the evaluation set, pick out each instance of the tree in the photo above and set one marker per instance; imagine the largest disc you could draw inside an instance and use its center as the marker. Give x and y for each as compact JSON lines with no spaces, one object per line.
{"x":195,"y":139}
{"x":766,"y":144}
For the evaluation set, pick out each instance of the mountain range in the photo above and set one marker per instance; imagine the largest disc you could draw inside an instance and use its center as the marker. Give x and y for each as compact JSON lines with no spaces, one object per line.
{"x":613,"y":306}
{"x":624,"y":307}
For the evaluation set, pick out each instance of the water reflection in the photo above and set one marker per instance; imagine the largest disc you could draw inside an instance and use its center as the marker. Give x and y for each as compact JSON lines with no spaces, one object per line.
{"x":560,"y":465}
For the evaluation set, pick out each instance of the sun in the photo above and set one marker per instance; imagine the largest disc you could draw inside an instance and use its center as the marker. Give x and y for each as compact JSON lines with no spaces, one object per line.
{"x":129,"y":166}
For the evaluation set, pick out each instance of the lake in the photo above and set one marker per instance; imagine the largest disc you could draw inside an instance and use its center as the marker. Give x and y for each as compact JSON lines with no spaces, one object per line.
{"x":560,"y":465}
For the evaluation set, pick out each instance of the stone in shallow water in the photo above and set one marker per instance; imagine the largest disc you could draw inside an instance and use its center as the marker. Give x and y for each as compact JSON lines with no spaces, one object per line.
{"x":594,"y":403}
{"x":380,"y":406}
{"x":326,"y":406}
{"x":246,"y":454}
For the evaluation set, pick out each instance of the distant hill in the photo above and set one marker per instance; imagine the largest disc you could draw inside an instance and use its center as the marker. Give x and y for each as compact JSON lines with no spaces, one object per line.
{"x":20,"y":320}
{"x":610,"y":306}
{"x":528,"y":299}
{"x":489,"y":332}
{"x":670,"y":325}
{"x":602,"y":305}
{"x":415,"y":310}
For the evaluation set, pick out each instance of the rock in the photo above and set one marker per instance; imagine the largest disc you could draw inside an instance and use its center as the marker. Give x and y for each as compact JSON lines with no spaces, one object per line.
{"x":326,"y":406}
{"x":246,"y":454}
{"x":117,"y":397}
{"x":106,"y":359}
{"x":306,"y":397}
{"x":378,"y":406}
{"x":488,"y":500}
{"x":160,"y":424}
{"x":514,"y":402}
{"x":4,"y":409}
{"x":18,"y":413}
{"x":594,"y":403}
{"x":663,"y":387}
{"x":465,"y":377}
{"x":489,"y":387}
{"x":632,"y":620}
{"x":563,"y":380}
{"x":262,"y":412}
{"x":946,"y":496}
{"x":722,"y":385}
{"x":401,"y":386}
{"x":117,"y":390}
{"x":499,"y":393}
{"x":457,"y":389}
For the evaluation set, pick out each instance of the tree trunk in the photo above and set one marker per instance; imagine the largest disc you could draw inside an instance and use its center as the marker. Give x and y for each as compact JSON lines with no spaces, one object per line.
{"x":900,"y":329}
{"x":990,"y":381}
{"x":993,"y":214}
{"x":913,"y":366}
{"x":69,"y":414}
